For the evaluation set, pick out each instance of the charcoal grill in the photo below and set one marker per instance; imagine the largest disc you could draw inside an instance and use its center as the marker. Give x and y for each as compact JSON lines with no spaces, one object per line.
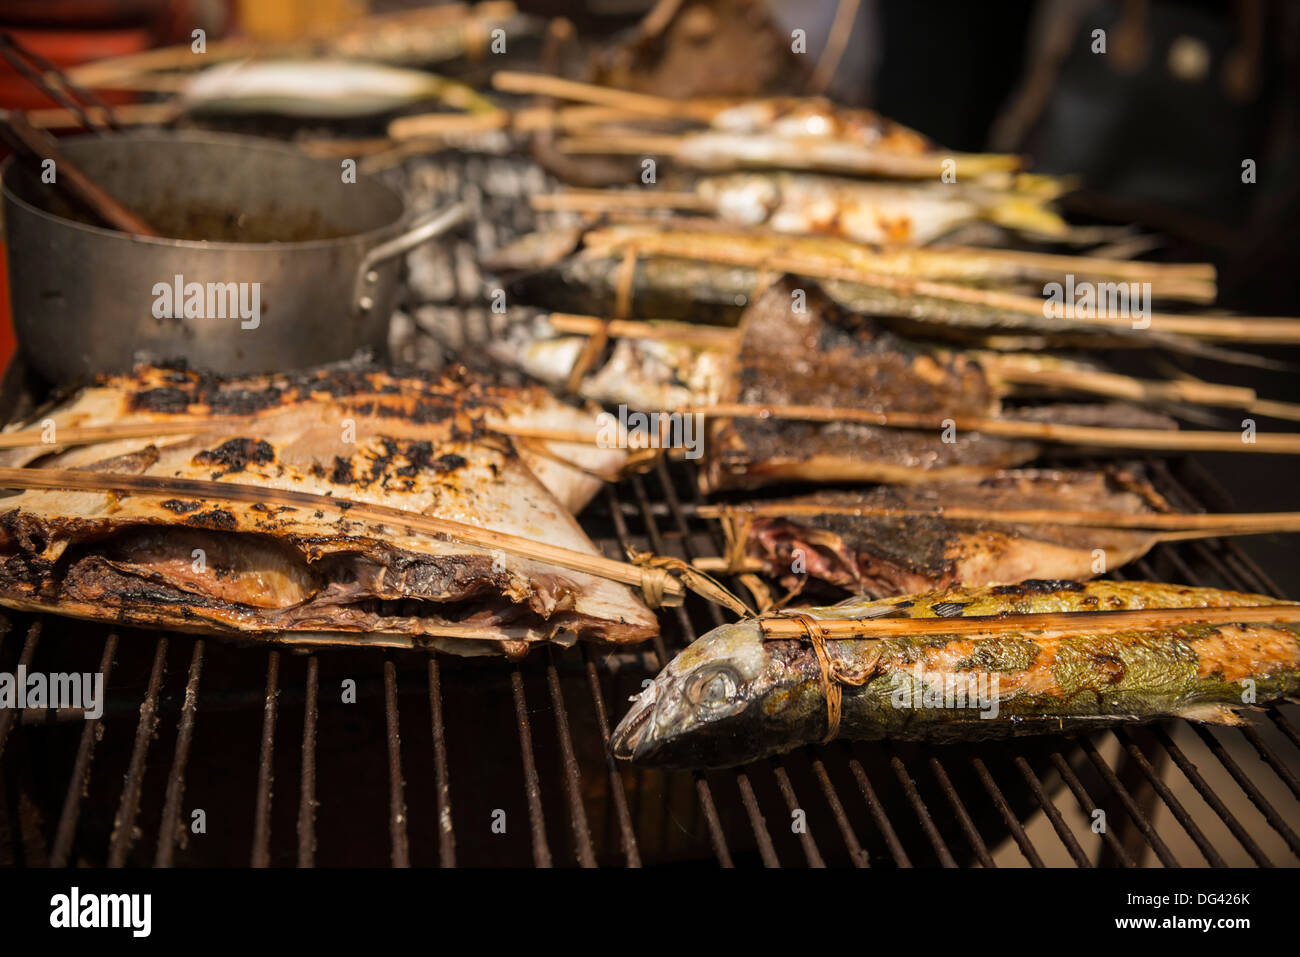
{"x":437,"y":756}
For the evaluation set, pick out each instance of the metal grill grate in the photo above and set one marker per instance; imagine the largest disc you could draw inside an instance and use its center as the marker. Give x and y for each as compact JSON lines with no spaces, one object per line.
{"x":436,"y":754}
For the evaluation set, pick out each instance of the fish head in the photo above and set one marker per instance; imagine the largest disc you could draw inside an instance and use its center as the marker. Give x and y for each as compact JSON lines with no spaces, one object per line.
{"x":729,"y":698}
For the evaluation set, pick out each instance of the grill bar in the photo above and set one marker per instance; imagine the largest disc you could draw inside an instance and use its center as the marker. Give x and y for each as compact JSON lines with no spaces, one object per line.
{"x":24,"y":661}
{"x":171,"y":829}
{"x":586,"y":853}
{"x":80,"y":777}
{"x":1249,"y":787}
{"x":856,"y":853}
{"x":1004,"y":809}
{"x":617,"y":792}
{"x":1141,"y":821}
{"x":261,"y":856}
{"x":124,"y":824}
{"x":1052,"y":812}
{"x":959,"y":810}
{"x":401,"y":849}
{"x":441,"y":779}
{"x":1212,"y":857}
{"x":922,"y":812}
{"x":883,"y":824}
{"x":1087,"y":805}
{"x":307,"y":786}
{"x":532,"y":785}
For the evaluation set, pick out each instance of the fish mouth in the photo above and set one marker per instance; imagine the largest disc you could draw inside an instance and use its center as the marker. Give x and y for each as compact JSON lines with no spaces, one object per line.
{"x":631,"y":731}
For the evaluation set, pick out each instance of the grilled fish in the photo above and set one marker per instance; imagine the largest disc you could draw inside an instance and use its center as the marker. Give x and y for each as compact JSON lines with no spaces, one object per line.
{"x":651,"y":373}
{"x":881,"y":555}
{"x":271,"y":571}
{"x":324,"y":88}
{"x":872,"y":212}
{"x":798,"y":348}
{"x":734,"y":696}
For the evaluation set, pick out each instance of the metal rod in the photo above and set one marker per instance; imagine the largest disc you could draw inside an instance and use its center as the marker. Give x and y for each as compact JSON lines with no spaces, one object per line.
{"x":441,"y":780}
{"x":79,"y":780}
{"x":400,"y":846}
{"x":532,"y":786}
{"x":1004,"y":809}
{"x":128,"y":806}
{"x":583,"y":848}
{"x":959,"y":809}
{"x":307,"y":778}
{"x":261,"y":856}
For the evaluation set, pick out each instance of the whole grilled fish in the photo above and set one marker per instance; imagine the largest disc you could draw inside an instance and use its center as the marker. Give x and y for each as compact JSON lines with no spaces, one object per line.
{"x":321,"y":88}
{"x":894,"y":555}
{"x":871,"y":212}
{"x":734,"y":696}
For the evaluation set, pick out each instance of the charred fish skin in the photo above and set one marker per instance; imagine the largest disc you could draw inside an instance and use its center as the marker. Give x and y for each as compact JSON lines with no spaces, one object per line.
{"x":733,"y":697}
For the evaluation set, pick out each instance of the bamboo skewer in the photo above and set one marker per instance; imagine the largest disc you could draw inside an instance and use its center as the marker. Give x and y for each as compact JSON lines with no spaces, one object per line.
{"x":599,"y":200}
{"x":1091,"y":622}
{"x":1259,"y":522}
{"x":1097,"y":436}
{"x":541,"y":84}
{"x":1257,"y":329}
{"x":1172,"y":440}
{"x":711,"y":150}
{"x":712,"y":336}
{"x":1190,"y":281}
{"x":78,"y":480}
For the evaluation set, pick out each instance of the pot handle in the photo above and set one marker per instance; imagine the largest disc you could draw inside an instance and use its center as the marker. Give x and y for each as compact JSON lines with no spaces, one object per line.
{"x":426,"y":227}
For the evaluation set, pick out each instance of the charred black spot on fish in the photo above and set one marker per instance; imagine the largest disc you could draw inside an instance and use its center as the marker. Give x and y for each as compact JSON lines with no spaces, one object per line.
{"x":342,"y":474}
{"x":181,"y":507}
{"x":1042,"y":586}
{"x":217,"y":518}
{"x":949,"y":609}
{"x":235,"y":455}
{"x":166,"y":399}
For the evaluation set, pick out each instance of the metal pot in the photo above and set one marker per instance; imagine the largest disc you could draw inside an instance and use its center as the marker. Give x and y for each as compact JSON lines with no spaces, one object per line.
{"x":313,"y":259}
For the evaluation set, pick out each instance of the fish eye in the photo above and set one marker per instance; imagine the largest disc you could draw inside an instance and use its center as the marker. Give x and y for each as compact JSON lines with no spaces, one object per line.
{"x":713,"y":688}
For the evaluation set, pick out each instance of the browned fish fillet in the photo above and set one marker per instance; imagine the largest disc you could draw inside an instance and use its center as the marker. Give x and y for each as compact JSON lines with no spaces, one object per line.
{"x":295,"y":574}
{"x":798,"y":348}
{"x":885,"y":555}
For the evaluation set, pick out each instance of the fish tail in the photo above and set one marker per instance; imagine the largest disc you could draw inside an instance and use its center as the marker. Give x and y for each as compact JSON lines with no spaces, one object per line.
{"x":1027,"y":213}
